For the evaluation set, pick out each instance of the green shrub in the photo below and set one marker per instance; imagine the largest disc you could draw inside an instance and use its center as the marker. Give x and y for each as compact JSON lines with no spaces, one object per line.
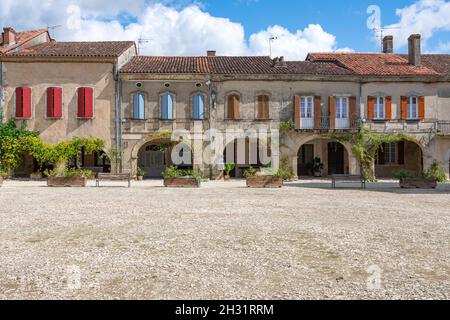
{"x":228,"y":168}
{"x":4,"y":173}
{"x":436,"y":172}
{"x":284,"y":174}
{"x":70,"y":173}
{"x":140,"y":172}
{"x":250,"y":173}
{"x":287,"y":126}
{"x":174,"y":172}
{"x":403,"y":174}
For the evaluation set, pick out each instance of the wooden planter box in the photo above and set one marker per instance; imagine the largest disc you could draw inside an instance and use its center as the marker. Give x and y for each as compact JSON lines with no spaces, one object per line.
{"x":182,"y":182}
{"x":418,"y":184}
{"x":264,"y":182}
{"x":67,"y":182}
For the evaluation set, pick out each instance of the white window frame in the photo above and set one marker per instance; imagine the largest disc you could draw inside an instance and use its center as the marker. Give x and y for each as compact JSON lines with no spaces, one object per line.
{"x":412,"y":110}
{"x":391,"y":153}
{"x":379,"y":109}
{"x":342,"y":105}
{"x":306,"y":103}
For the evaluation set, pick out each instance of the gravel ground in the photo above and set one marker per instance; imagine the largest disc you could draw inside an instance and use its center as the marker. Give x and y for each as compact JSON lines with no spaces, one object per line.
{"x":224,"y":241}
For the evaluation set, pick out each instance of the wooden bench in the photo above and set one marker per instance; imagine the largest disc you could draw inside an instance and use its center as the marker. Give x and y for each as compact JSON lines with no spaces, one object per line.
{"x":346,"y":178}
{"x":113,"y":177}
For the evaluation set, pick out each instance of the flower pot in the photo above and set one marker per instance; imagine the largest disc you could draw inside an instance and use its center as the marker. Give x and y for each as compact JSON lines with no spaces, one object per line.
{"x":67,"y":181}
{"x":226,"y":178}
{"x":418,"y":183}
{"x":264,"y":182}
{"x":140,"y":178}
{"x":182,"y":182}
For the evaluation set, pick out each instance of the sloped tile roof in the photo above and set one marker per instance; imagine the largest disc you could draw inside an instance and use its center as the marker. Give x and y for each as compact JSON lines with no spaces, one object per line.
{"x":438,"y":62}
{"x":251,"y":65}
{"x":373,"y":64}
{"x":107,"y":49}
{"x":22,"y":38}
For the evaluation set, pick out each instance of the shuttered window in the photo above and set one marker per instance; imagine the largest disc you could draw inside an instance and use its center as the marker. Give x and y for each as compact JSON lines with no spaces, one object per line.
{"x":263,"y":107}
{"x":198,"y":107}
{"x":341,"y":107}
{"x":412,"y":112}
{"x":85,"y":102}
{"x":167,"y":101}
{"x":54,"y":102}
{"x":23,"y":102}
{"x":139,"y":106}
{"x":379,"y":108}
{"x":233,"y":106}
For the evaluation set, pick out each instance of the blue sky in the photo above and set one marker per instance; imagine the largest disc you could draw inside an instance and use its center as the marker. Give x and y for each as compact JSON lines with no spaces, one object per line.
{"x":236,"y":27}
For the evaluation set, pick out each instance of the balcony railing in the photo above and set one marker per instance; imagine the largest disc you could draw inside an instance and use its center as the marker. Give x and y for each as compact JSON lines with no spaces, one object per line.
{"x":324,"y":123}
{"x":443,"y":127}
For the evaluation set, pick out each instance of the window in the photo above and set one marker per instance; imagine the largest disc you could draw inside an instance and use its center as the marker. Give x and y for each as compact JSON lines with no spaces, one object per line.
{"x":306,"y":107}
{"x":341,"y":108}
{"x":139,"y":106}
{"x":54,"y":102}
{"x":233,"y":106}
{"x":167,"y":101}
{"x":23,"y":102}
{"x":412,"y":109}
{"x":263,"y":107}
{"x":379,"y":108}
{"x":85,"y":102}
{"x":390,"y":153}
{"x":198,"y":107}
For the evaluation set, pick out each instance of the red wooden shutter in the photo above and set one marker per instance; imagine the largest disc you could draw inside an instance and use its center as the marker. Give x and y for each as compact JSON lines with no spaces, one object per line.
{"x":81,"y":102}
{"x":404,"y":108}
{"x":317,"y":112}
{"x":19,"y":102}
{"x":388,"y":107}
{"x":26,"y":95}
{"x":352,"y":111}
{"x":421,"y":107}
{"x":89,"y":103}
{"x":370,"y":107}
{"x":332,"y":103}
{"x":50,"y":102}
{"x":57,"y":104}
{"x":297,"y":115}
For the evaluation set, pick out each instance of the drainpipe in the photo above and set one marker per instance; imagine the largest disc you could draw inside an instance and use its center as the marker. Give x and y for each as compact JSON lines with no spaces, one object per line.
{"x":361,"y":111}
{"x":118,"y":115}
{"x":1,"y":92}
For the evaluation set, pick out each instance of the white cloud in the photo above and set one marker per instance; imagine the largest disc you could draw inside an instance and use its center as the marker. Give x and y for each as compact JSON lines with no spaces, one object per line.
{"x":425,"y":17}
{"x":185,"y":31}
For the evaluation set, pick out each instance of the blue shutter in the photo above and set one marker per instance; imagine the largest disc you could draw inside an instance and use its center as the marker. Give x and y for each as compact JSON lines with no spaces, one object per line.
{"x":141,"y":106}
{"x":201,"y":107}
{"x":164,"y":106}
{"x":169,"y":107}
{"x":135,"y":106}
{"x":195,"y":114}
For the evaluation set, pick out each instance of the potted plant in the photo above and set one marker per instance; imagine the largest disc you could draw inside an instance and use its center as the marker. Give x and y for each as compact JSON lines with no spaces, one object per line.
{"x":261,"y":180}
{"x":427,"y":180}
{"x":176,"y":178}
{"x":317,"y":167}
{"x":140,"y":173}
{"x":228,"y":168}
{"x":59,"y":155}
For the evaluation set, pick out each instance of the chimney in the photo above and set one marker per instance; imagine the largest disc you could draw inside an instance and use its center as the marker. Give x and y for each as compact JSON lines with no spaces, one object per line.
{"x":278,"y":62}
{"x":414,"y":54}
{"x":388,"y":44}
{"x":211,"y":53}
{"x":9,"y":36}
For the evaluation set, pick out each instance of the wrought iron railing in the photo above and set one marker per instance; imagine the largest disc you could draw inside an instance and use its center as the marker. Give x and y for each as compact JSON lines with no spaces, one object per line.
{"x":443,"y":127}
{"x":325,"y":123}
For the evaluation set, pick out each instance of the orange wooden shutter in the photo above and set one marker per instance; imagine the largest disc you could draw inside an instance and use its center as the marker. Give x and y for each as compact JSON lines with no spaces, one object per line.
{"x":388,"y":106}
{"x":404,"y":107}
{"x":317,"y":112}
{"x":297,"y":115}
{"x":260,"y":107}
{"x":370,"y":107}
{"x":421,"y":107}
{"x":236,"y":107}
{"x":267,"y":107}
{"x":332,"y":103}
{"x":230,"y":111}
{"x":352,"y":111}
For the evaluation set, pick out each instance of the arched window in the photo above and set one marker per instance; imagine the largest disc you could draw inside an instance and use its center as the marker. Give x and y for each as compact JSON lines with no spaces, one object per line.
{"x":139,"y":106}
{"x":233,"y":106}
{"x":167,"y":101}
{"x":198,"y":107}
{"x":263,"y":107}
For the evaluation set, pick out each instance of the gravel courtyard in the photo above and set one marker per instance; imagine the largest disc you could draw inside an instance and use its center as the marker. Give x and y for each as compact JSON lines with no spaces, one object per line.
{"x":224,"y":241}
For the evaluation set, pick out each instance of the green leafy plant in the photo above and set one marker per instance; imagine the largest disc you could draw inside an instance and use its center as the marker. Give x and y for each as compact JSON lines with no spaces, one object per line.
{"x":4,"y":174}
{"x":228,"y":168}
{"x":250,"y":173}
{"x":140,"y":172}
{"x":174,"y":172}
{"x":403,"y":174}
{"x":287,"y":126}
{"x":285,"y":170}
{"x":70,"y":173}
{"x":436,"y":172}
{"x":317,"y":165}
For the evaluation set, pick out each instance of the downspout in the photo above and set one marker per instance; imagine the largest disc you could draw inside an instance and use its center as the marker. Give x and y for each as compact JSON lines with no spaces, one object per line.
{"x":1,"y":92}
{"x":118,"y":116}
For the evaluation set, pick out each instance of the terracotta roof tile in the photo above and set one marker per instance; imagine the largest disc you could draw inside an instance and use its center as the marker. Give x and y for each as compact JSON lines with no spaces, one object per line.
{"x":21,"y":38}
{"x":373,"y":64}
{"x":105,"y":49}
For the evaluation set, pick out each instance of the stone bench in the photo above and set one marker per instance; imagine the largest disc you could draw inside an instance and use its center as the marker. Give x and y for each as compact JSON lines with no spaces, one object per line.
{"x":113,"y":177}
{"x":346,"y":178}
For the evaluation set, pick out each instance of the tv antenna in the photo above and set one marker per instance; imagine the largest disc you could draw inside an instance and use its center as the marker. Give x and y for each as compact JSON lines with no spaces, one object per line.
{"x":52,"y":29}
{"x":271,"y":39}
{"x":142,"y":41}
{"x":381,"y":33}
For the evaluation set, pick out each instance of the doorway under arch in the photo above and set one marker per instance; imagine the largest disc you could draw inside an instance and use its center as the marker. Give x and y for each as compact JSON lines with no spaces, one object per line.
{"x":396,"y":156}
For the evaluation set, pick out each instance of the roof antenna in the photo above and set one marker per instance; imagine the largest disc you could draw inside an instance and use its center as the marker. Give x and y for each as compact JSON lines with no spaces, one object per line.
{"x":52,"y":29}
{"x":271,"y":39}
{"x":142,"y":41}
{"x":380,"y":33}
